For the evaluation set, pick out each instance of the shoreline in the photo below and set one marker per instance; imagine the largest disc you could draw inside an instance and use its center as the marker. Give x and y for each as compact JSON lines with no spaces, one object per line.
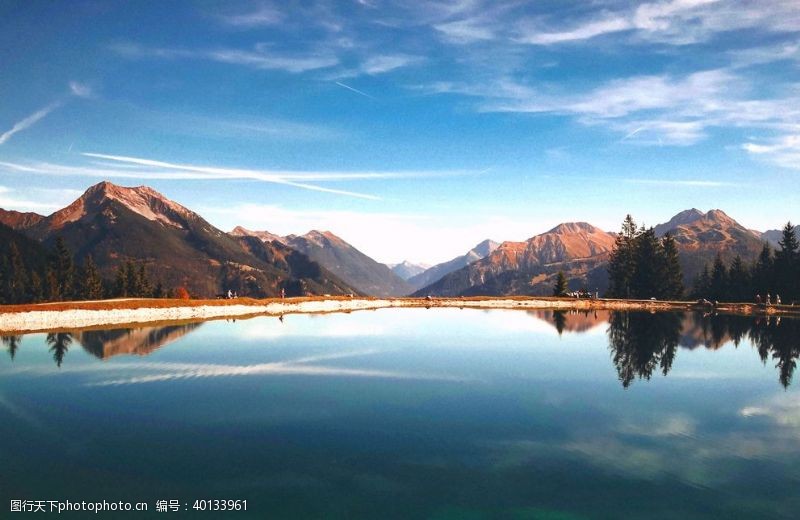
{"x":137,"y":312}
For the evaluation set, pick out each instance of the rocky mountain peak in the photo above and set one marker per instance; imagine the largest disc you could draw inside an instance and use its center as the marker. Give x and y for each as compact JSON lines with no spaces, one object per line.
{"x":568,"y":228}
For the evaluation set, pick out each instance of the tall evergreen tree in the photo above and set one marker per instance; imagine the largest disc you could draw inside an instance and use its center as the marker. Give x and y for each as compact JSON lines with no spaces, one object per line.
{"x":674,"y":274}
{"x":649,"y":266}
{"x":37,"y":287}
{"x":738,"y":282}
{"x":560,"y":288}
{"x":702,"y":284}
{"x":719,"y":280}
{"x":64,"y":270}
{"x":91,"y":283}
{"x":762,"y":274}
{"x":787,"y":265}
{"x":16,"y":276}
{"x":121,"y":281}
{"x":144,"y":289}
{"x":621,"y":261}
{"x":52,"y":285}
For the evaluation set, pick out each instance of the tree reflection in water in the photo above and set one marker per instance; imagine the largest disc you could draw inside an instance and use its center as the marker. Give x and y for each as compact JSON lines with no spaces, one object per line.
{"x":12,"y":344}
{"x":778,"y":339}
{"x":59,"y":345}
{"x":640,"y":342}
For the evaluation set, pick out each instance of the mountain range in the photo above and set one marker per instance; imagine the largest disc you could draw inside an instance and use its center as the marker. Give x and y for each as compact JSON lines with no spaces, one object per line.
{"x":529,"y":267}
{"x":114,"y":224}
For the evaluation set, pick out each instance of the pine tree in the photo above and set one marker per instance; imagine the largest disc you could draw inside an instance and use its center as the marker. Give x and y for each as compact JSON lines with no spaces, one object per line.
{"x":674,"y":274}
{"x":131,"y":282}
{"x":738,"y":281}
{"x":702,"y":284}
{"x":37,"y":287}
{"x":649,"y":266}
{"x":91,"y":283}
{"x":16,"y":276}
{"x":144,"y":289}
{"x":121,"y":282}
{"x":64,"y":269}
{"x":719,"y":280}
{"x":762,"y":274}
{"x":3,"y":279}
{"x":786,"y":264}
{"x":621,"y":261}
{"x":560,"y":289}
{"x":52,"y":285}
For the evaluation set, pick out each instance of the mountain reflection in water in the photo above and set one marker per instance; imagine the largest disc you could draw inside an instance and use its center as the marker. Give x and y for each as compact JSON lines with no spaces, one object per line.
{"x":104,"y":344}
{"x":641,"y":344}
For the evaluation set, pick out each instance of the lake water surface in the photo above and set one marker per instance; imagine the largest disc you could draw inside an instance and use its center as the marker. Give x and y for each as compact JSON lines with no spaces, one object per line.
{"x":412,"y":413}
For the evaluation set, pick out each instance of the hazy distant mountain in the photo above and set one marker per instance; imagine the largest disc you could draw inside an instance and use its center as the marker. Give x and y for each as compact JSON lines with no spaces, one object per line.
{"x":348,"y":263}
{"x":406,"y":269}
{"x":700,"y":236}
{"x":18,"y":220}
{"x":114,"y":223}
{"x":436,"y":272}
{"x":773,"y":236}
{"x":578,"y":248}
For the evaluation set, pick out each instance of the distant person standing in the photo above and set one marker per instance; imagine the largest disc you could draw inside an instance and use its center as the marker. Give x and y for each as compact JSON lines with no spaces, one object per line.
{"x":777,"y":299}
{"x":768,"y":299}
{"x":758,"y":299}
{"x":283,"y":293}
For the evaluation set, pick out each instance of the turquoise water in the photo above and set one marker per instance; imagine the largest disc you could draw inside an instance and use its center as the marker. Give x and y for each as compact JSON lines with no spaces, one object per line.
{"x":411,"y":413}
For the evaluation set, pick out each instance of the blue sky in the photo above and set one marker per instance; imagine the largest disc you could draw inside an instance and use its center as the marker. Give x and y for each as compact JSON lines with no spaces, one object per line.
{"x":411,"y":129}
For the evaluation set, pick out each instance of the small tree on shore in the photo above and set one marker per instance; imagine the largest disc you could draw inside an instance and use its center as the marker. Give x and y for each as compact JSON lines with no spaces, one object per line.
{"x":560,"y":288}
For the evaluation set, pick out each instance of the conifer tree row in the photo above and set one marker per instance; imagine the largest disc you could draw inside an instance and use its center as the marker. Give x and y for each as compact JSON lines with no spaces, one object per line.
{"x":773,"y":273}
{"x":643,"y":265}
{"x":60,"y":279}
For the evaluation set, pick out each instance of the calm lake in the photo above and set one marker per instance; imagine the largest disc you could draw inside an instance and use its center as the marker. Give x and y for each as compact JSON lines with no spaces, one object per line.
{"x":412,"y":413}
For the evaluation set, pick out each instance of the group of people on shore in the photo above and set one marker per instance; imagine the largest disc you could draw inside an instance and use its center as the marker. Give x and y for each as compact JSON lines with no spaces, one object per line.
{"x":768,"y":300}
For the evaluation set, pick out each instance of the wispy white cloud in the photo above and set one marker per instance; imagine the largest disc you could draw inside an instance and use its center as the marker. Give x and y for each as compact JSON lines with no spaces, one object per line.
{"x":466,"y":30}
{"x":583,"y":32}
{"x":264,"y":15}
{"x":783,"y":151}
{"x":80,"y":89}
{"x":662,"y":109}
{"x":28,"y":122}
{"x":674,"y":22}
{"x":107,"y":166}
{"x":376,"y":64}
{"x":380,"y":64}
{"x":687,"y":183}
{"x":261,"y":57}
{"x":271,"y":60}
